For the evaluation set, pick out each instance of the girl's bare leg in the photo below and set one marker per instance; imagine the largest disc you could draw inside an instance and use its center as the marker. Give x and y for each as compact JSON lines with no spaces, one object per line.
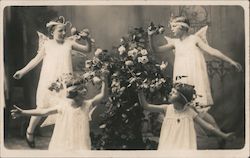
{"x":209,"y":118}
{"x":34,"y":120}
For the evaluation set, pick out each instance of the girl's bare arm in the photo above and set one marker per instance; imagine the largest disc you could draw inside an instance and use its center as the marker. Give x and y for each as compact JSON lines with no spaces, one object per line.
{"x":211,"y":128}
{"x":150,"y":107}
{"x":33,"y":63}
{"x":160,"y":49}
{"x":82,"y":48}
{"x":216,"y":53}
{"x":17,"y":112}
{"x":104,"y":90}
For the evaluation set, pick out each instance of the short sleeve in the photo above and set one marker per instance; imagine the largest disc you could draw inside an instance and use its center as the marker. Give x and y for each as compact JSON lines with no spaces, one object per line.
{"x":41,"y":48}
{"x":60,"y":105}
{"x":170,"y":40}
{"x":165,"y":107}
{"x":58,"y":108}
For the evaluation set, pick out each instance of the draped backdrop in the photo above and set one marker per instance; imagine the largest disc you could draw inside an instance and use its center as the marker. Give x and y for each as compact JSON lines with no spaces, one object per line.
{"x":107,"y":25}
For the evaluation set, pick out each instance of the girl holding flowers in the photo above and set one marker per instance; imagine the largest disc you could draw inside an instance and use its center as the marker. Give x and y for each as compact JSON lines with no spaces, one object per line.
{"x":71,"y":130}
{"x":55,"y":51}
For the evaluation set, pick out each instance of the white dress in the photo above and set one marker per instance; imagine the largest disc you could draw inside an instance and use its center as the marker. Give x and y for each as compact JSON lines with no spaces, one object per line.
{"x":190,"y":62}
{"x":57,"y":61}
{"x":177,"y":131}
{"x":71,"y":130}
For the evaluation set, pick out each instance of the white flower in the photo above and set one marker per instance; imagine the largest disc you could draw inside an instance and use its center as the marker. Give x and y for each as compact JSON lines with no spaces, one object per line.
{"x":122,"y":40}
{"x":88,"y":63}
{"x":144,"y":52}
{"x":132,"y":79}
{"x":163,"y":65}
{"x":129,"y":63}
{"x":144,"y":85}
{"x":96,"y":80}
{"x":98,"y":52}
{"x":115,"y":83}
{"x":158,"y":85}
{"x":73,"y":31}
{"x":133,"y":53}
{"x":143,"y":59}
{"x":96,"y":60}
{"x":121,"y":49}
{"x":84,"y":33}
{"x":102,"y":126}
{"x":161,"y":30}
{"x":87,"y":75}
{"x":115,"y":75}
{"x":122,"y":89}
{"x":162,"y":80}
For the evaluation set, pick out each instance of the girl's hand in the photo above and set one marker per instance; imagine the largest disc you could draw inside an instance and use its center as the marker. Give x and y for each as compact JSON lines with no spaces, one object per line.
{"x":84,"y":33}
{"x":104,"y":74}
{"x":230,"y":136}
{"x":18,"y":75}
{"x":151,"y":32}
{"x":17,"y":112}
{"x":237,"y":66}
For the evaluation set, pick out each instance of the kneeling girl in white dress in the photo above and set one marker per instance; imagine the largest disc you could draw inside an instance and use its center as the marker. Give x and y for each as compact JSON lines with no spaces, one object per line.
{"x":71,"y":130}
{"x":177,"y":131}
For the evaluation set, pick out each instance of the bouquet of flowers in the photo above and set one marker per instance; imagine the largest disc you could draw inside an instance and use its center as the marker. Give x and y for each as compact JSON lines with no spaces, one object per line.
{"x":68,"y":80}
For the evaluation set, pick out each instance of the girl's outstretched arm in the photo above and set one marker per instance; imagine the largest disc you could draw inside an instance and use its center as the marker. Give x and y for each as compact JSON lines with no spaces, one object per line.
{"x":104,"y":90}
{"x":82,"y":48}
{"x":217,"y":53}
{"x":160,"y":49}
{"x":216,"y":131}
{"x":33,"y":63}
{"x":17,"y":112}
{"x":150,"y":107}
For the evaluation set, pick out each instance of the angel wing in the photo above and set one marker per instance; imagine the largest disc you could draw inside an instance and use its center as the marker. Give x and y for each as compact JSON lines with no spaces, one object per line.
{"x":202,"y":34}
{"x":42,"y":39}
{"x":169,"y":40}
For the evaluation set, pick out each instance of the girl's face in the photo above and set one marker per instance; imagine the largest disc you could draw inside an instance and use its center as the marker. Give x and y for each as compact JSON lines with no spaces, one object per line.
{"x":176,"y":29}
{"x":173,"y":96}
{"x":59,"y":33}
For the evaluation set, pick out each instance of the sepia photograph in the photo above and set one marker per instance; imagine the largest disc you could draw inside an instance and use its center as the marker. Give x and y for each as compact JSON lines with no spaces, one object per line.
{"x":124,"y":79}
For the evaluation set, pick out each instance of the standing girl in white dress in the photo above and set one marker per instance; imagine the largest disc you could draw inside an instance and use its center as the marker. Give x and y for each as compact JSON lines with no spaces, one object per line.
{"x":56,"y":55}
{"x":71,"y":130}
{"x":190,"y":62}
{"x":177,"y":131}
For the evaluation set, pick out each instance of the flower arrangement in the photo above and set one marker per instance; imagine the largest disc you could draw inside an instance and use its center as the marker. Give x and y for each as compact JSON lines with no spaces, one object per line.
{"x":132,"y":67}
{"x":137,"y":65}
{"x":77,"y":35}
{"x":68,"y":80}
